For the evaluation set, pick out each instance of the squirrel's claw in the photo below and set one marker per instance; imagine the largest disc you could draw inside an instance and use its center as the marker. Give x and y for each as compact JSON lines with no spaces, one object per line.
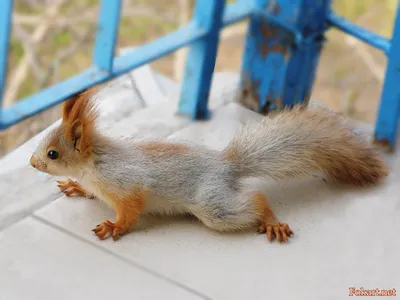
{"x":66,"y":184}
{"x":100,"y":232}
{"x":280,"y":231}
{"x":106,"y":227}
{"x":72,"y":188}
{"x":116,"y":234}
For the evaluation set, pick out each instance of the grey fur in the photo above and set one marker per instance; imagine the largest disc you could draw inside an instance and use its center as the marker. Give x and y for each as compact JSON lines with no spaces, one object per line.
{"x":198,"y":181}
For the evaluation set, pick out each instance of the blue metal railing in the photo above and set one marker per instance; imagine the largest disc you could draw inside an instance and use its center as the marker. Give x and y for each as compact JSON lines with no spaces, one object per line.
{"x":283,"y":45}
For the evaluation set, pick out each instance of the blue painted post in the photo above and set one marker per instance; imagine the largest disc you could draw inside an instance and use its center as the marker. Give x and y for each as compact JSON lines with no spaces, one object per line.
{"x":106,"y":36}
{"x":6,"y":7}
{"x":388,"y":115}
{"x":282,"y":50}
{"x":268,"y":46}
{"x":200,"y":61}
{"x":312,"y":23}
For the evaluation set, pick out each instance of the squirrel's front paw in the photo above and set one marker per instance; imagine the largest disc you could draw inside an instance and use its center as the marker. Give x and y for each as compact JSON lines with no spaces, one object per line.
{"x":71,"y":188}
{"x":106,"y":227}
{"x":280,"y":231}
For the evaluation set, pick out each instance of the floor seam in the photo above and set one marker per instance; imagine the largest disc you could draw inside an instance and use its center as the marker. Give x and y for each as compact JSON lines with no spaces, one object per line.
{"x":122,"y":258}
{"x":24,"y":215}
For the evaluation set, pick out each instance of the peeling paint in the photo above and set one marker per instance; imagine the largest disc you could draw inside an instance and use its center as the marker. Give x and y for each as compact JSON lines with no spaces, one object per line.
{"x":279,"y":67}
{"x":384,"y":144}
{"x":273,"y":41}
{"x":249,"y":97}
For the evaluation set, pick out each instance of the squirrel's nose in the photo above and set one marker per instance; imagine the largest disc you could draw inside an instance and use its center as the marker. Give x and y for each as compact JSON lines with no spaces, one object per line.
{"x":33,"y":161}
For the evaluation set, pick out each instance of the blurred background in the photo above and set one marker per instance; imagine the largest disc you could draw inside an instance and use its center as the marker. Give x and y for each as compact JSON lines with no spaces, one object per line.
{"x":53,"y":39}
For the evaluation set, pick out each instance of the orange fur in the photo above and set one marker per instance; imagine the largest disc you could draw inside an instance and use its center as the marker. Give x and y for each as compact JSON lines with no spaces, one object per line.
{"x":354,"y":165}
{"x":230,"y":154}
{"x":67,"y":107}
{"x":268,"y":221}
{"x":127,"y":211}
{"x":160,"y":149}
{"x":352,"y":162}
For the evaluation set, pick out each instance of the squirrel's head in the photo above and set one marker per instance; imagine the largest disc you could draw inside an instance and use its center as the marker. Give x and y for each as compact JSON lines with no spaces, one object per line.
{"x":67,"y":148}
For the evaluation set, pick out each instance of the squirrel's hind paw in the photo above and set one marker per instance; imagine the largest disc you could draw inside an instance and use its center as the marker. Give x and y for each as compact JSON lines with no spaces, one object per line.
{"x":71,"y":188}
{"x":280,"y":231}
{"x":106,"y":227}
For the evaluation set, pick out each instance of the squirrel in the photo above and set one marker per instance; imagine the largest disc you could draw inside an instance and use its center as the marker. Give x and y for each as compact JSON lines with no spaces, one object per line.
{"x":165,"y":178}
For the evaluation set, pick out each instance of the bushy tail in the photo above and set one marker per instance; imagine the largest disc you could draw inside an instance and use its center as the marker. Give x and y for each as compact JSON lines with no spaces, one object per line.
{"x":299,"y":142}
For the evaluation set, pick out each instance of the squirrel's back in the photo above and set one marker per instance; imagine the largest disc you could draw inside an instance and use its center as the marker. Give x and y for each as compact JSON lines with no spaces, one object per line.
{"x":177,"y":170}
{"x":301,"y":141}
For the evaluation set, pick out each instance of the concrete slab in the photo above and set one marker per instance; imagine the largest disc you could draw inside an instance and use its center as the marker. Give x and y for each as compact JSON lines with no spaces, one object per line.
{"x":22,"y":191}
{"x":162,"y":120}
{"x":41,"y":262}
{"x":343,"y":238}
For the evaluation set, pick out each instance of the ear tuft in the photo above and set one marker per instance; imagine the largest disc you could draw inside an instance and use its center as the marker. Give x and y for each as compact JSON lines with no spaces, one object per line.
{"x":79,"y":118}
{"x":67,"y":107}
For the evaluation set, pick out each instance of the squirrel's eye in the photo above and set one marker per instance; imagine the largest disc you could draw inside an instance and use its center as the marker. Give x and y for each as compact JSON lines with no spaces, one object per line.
{"x":52,"y":154}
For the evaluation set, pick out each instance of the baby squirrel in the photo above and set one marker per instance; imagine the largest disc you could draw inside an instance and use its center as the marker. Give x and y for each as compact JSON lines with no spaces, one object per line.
{"x":174,"y":178}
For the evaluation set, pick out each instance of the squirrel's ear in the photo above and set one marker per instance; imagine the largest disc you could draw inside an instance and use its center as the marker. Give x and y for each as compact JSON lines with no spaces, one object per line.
{"x":69,"y":104}
{"x":75,"y":132}
{"x":79,"y":116}
{"x":76,"y":129}
{"x":67,"y":107}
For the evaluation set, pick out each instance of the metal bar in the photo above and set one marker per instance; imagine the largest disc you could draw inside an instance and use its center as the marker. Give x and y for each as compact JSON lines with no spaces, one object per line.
{"x":369,"y":37}
{"x":389,"y":107}
{"x":200,"y":61}
{"x":238,"y":11}
{"x":141,"y":55}
{"x":158,"y":48}
{"x":53,"y":95}
{"x":50,"y":96}
{"x":6,"y":7}
{"x":106,"y":35}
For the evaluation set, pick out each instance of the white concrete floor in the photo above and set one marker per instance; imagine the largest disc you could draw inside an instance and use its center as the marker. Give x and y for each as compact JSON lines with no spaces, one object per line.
{"x":343,"y":238}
